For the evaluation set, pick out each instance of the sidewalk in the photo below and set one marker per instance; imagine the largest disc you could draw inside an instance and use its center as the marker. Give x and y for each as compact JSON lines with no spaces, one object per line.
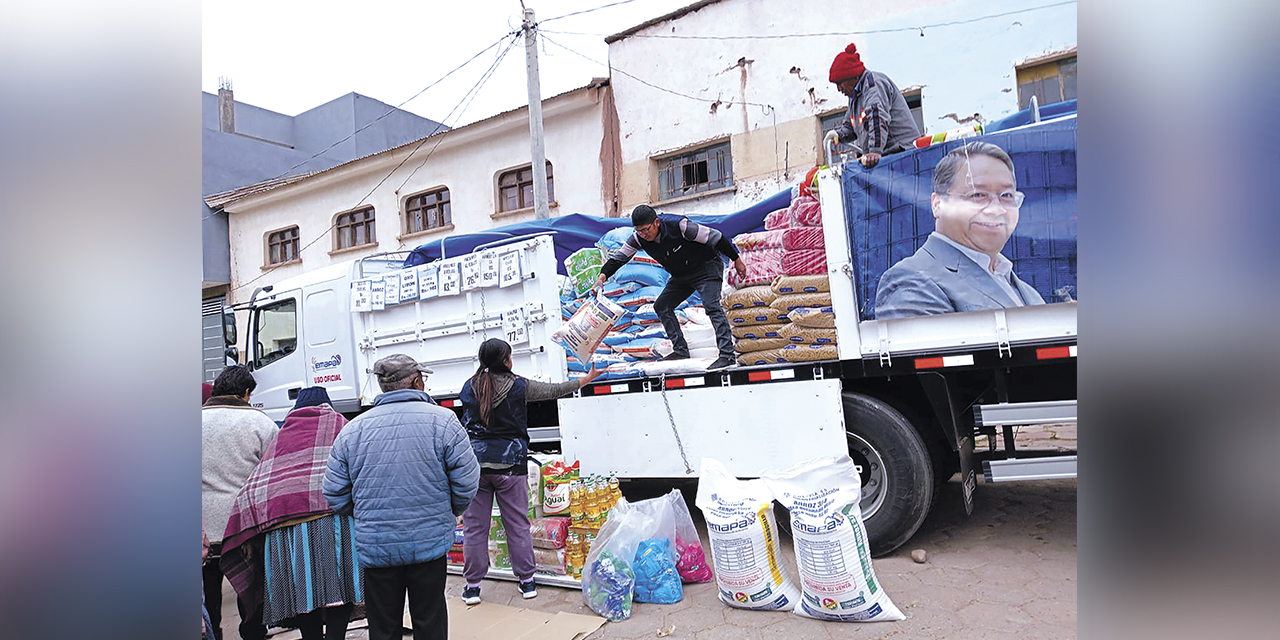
{"x":1009,"y":571}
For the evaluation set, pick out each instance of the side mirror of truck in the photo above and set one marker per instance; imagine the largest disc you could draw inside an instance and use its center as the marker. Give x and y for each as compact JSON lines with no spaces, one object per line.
{"x":232,"y":354}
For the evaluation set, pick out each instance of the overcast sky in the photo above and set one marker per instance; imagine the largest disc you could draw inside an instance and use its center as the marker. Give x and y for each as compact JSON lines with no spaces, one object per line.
{"x":291,"y":55}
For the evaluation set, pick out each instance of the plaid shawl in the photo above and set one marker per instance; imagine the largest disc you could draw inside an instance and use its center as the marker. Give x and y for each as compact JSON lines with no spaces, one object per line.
{"x":283,"y":488}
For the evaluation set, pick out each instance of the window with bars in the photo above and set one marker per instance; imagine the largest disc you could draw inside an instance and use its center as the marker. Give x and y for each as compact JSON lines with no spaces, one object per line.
{"x":845,"y":152}
{"x":426,"y":211}
{"x":354,"y":228}
{"x":515,"y":188}
{"x":695,"y":172}
{"x":282,"y":245}
{"x":1049,"y":82}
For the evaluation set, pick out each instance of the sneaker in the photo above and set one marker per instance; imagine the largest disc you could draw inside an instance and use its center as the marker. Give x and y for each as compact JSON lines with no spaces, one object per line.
{"x":675,"y":356}
{"x":528,"y":590}
{"x":721,"y":363}
{"x":471,"y":595}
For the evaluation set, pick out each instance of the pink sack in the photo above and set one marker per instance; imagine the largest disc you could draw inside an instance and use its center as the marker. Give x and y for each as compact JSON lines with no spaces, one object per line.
{"x":799,"y":238}
{"x":780,"y":219}
{"x":805,"y":211}
{"x":763,"y":265}
{"x":758,"y":240}
{"x":550,"y":532}
{"x":804,"y":262}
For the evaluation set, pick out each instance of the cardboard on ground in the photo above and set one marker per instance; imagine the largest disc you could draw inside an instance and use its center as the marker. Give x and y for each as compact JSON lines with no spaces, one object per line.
{"x":488,"y":620}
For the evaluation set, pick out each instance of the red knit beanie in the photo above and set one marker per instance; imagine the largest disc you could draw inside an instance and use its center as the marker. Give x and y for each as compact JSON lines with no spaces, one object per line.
{"x":848,"y":64}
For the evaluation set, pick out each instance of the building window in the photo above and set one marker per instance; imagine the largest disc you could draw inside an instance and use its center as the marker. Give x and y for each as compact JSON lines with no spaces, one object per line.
{"x":426,"y":211}
{"x":282,"y":245}
{"x":1049,"y":82}
{"x":515,"y":188}
{"x":694,"y":172}
{"x":914,"y":102}
{"x":354,"y":228}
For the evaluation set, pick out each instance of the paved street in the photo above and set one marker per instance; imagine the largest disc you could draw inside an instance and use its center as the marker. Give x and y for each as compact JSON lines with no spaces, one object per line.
{"x":1008,"y":571}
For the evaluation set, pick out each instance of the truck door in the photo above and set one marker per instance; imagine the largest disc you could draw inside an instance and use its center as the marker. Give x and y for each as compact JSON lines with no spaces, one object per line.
{"x":327,"y":345}
{"x":273,"y":354}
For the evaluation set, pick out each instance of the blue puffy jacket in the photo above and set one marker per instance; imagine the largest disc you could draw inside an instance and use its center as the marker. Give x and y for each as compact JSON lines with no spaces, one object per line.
{"x":404,"y":469}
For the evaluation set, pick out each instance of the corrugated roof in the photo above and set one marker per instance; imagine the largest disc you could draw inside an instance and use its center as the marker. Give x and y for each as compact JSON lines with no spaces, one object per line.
{"x":660,"y":19}
{"x":226,"y":197}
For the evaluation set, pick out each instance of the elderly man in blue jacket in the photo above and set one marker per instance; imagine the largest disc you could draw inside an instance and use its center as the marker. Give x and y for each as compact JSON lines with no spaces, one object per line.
{"x":405,"y":470}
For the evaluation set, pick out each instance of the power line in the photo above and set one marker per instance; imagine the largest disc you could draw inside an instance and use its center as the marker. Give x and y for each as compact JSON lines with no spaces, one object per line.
{"x":782,"y":36}
{"x":577,"y":13}
{"x":470,"y":93}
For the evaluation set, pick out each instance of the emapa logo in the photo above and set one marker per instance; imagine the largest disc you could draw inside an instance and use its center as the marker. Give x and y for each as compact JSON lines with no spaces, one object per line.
{"x":332,"y":363}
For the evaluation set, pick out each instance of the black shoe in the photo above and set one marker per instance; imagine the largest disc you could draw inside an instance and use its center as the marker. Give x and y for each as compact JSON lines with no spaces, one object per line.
{"x":528,"y":590}
{"x":722,"y":363}
{"x":674,"y":356}
{"x":471,"y":595}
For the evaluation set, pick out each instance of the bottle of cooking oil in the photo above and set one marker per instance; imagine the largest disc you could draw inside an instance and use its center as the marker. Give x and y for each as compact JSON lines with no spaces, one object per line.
{"x":592,"y":503}
{"x":573,"y":557}
{"x":576,"y":500}
{"x":615,"y":490}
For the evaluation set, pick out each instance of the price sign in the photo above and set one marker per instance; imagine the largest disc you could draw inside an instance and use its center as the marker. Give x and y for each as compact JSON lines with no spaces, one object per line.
{"x":378,"y":294}
{"x":408,"y":285}
{"x":488,"y":269}
{"x":360,"y":300}
{"x":514,"y":326}
{"x":470,"y":271}
{"x":391,"y":282}
{"x":509,"y":269}
{"x":450,"y":279}
{"x":428,"y":286}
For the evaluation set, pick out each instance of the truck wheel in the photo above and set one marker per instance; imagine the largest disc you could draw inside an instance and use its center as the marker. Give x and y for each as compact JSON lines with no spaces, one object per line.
{"x":896,"y":471}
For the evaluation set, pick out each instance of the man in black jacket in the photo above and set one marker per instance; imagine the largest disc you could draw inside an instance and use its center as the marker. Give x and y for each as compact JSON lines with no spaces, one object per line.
{"x":690,"y":252}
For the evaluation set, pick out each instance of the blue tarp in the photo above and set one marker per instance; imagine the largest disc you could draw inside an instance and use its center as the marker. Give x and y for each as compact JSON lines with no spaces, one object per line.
{"x":577,"y":230}
{"x":1047,"y":112}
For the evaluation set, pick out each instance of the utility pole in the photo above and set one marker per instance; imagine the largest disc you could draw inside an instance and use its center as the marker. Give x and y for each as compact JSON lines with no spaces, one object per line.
{"x":540,"y":203}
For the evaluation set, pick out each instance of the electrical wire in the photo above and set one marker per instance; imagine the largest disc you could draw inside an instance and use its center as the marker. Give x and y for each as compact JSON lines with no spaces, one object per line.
{"x":782,"y":36}
{"x":578,"y":13}
{"x":470,"y":94}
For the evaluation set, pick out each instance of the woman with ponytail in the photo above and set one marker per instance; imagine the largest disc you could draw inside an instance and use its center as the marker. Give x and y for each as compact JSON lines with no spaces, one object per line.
{"x":495,"y":415}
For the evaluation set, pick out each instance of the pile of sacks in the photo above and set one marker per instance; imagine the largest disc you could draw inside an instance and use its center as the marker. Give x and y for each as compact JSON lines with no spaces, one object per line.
{"x":637,"y":338}
{"x":781,"y":312}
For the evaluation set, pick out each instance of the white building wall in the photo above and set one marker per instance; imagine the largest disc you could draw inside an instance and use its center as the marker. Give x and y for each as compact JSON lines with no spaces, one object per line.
{"x":963,"y":69}
{"x":468,"y":161}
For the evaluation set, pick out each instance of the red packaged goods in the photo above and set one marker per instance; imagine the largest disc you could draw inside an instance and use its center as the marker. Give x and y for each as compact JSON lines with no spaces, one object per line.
{"x":763,"y":265}
{"x":549,"y":560}
{"x":803,"y":238}
{"x":798,"y":263}
{"x":549,"y":533}
{"x":758,"y":240}
{"x":780,"y":219}
{"x":805,"y":211}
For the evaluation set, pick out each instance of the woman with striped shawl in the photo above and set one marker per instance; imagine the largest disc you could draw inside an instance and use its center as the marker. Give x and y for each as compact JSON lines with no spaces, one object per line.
{"x":283,"y":543}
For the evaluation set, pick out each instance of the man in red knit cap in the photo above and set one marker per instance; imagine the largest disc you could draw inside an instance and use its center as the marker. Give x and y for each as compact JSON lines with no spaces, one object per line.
{"x":879,"y":119}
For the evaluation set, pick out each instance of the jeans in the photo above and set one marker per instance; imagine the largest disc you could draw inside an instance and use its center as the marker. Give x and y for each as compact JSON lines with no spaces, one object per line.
{"x":706,"y":281}
{"x":384,"y":600}
{"x":512,"y":493}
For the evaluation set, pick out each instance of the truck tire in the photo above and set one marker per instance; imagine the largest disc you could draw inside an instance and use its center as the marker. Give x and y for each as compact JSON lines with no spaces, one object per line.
{"x":896,"y":471}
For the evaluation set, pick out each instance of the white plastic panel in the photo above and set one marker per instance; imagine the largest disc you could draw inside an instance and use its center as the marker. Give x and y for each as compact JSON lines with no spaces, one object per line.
{"x":749,"y":428}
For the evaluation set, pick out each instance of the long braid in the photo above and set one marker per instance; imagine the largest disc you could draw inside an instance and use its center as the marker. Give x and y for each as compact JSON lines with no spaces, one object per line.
{"x":493,"y":358}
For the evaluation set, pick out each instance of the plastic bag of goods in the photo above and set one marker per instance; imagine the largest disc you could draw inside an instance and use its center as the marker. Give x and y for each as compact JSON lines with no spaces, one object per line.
{"x":799,"y":238}
{"x":805,"y":211}
{"x":757,"y":331}
{"x":807,"y":335}
{"x":584,"y":331}
{"x":645,"y":348}
{"x":778,"y":219}
{"x":608,"y":580}
{"x":583,"y":267}
{"x":744,"y":541}
{"x":754,"y":316}
{"x":803,"y":262}
{"x":836,"y":577}
{"x":748,"y":345}
{"x":691,"y":560}
{"x":533,"y":477}
{"x":809,"y":352}
{"x":650,"y":275}
{"x":556,"y":477}
{"x":549,"y":561}
{"x":790,"y":301}
{"x":763,"y":265}
{"x":764,"y":356}
{"x":759,"y":239}
{"x":657,"y":580}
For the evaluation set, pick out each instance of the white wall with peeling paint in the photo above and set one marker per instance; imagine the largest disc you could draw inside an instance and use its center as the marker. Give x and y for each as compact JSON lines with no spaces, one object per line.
{"x":962,"y":53}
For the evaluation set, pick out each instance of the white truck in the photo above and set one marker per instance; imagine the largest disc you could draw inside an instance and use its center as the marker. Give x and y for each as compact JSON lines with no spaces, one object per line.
{"x":906,"y":398}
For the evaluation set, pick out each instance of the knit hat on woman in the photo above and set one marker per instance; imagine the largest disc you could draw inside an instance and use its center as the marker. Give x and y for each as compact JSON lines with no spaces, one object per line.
{"x":312,"y":397}
{"x":847,"y":65}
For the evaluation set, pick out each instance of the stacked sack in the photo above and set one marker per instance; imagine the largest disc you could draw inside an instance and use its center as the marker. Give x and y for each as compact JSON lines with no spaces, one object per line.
{"x":808,"y":331}
{"x":638,"y":336}
{"x":761,"y":252}
{"x":754,"y":322}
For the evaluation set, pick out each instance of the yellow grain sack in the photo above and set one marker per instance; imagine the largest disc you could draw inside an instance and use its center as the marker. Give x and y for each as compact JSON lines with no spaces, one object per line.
{"x":767,"y":356}
{"x":747,"y":345}
{"x":747,"y":297}
{"x":816,"y":283}
{"x":757,"y":331}
{"x":816,"y":317}
{"x":785,"y":303}
{"x":755,"y":315}
{"x":809,"y":352}
{"x":807,"y":335}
